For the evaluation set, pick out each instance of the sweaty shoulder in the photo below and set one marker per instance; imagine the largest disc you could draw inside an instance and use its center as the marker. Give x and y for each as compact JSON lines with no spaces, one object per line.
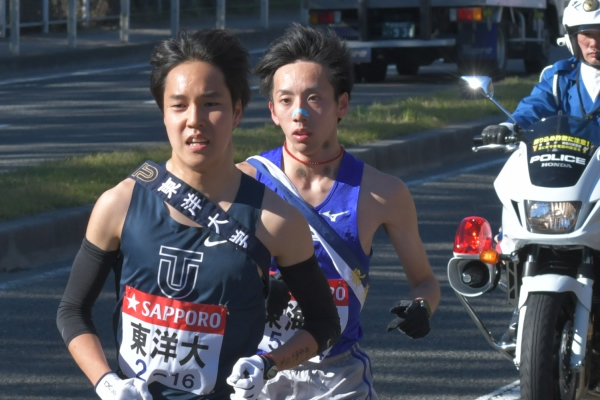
{"x":380,"y":184}
{"x":108,"y":216}
{"x":382,"y":194}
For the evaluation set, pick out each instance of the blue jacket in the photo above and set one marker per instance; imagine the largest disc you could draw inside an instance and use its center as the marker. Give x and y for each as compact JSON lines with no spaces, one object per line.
{"x":556,"y":93}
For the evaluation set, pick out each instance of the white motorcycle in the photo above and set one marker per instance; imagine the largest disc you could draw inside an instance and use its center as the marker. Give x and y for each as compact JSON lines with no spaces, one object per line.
{"x":548,"y":258}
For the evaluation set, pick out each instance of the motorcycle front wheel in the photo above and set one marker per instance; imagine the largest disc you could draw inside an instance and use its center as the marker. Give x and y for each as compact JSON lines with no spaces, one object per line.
{"x":545,"y":370}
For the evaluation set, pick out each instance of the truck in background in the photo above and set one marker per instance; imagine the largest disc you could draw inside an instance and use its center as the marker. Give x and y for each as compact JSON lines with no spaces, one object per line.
{"x":478,"y":35}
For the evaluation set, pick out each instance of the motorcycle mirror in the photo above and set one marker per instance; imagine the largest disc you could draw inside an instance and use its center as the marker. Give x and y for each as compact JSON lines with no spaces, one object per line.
{"x":484,"y":85}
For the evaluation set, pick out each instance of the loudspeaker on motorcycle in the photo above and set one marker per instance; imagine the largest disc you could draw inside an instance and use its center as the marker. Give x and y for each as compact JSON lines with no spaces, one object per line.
{"x":471,"y":277}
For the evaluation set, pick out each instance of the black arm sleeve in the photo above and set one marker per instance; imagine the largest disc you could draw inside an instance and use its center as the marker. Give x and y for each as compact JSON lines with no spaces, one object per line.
{"x":310,"y":287}
{"x":88,"y":274}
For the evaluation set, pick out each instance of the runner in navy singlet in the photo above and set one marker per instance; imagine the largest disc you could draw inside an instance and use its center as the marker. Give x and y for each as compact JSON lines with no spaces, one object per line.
{"x":190,"y":241}
{"x":307,"y":77}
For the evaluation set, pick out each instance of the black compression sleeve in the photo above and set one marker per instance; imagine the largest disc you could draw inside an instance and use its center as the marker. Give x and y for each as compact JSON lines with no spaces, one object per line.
{"x":88,"y":274}
{"x":308,"y":284}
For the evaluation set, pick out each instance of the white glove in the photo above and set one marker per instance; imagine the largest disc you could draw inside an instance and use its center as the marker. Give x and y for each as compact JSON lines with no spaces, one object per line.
{"x":111,"y":387}
{"x":247,"y":378}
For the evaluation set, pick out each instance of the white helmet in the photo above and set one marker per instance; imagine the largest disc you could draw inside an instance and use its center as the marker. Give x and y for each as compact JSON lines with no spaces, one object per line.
{"x":580,"y":16}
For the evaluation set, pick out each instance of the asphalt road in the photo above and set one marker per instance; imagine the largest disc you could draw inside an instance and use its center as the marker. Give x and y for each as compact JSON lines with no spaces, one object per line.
{"x":453,"y":362}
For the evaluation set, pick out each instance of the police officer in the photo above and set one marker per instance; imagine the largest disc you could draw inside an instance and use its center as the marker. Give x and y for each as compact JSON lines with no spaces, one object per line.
{"x":569,"y":86}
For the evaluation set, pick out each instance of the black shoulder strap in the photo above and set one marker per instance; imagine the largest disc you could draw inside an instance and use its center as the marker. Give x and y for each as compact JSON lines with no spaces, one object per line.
{"x":200,"y":209}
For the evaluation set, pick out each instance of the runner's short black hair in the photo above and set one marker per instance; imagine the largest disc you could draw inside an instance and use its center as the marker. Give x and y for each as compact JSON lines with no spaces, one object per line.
{"x":302,"y":43}
{"x":214,"y":46}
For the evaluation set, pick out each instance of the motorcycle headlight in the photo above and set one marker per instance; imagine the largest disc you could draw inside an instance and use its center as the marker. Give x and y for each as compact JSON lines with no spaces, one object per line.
{"x":552,"y":217}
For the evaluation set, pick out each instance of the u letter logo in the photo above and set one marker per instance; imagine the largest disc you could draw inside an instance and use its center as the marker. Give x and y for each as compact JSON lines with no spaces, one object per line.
{"x":178,"y":271}
{"x":146,"y":173}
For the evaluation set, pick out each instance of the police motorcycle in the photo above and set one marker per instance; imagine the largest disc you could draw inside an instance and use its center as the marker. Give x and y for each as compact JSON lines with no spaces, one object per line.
{"x":548,"y":258}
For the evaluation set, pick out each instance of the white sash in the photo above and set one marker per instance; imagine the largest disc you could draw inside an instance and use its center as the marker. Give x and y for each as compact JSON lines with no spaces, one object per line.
{"x":352,"y":278}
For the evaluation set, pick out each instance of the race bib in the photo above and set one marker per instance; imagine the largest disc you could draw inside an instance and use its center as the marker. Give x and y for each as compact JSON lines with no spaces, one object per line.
{"x":173,"y":342}
{"x":279,"y":331}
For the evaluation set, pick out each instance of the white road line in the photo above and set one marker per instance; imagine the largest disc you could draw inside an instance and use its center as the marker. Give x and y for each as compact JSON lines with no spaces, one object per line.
{"x":4,"y":126}
{"x":508,"y":392}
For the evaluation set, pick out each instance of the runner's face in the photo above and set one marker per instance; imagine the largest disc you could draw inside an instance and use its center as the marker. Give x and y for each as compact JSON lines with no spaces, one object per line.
{"x":198,"y":114}
{"x":305,"y":107}
{"x":589,"y":43}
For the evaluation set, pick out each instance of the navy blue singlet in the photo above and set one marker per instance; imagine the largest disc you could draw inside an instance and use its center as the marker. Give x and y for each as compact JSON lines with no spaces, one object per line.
{"x":186,"y":297}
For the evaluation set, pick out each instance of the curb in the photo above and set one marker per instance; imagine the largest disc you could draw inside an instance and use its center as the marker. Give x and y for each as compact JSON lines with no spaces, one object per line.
{"x":429,"y":149}
{"x":56,"y":236}
{"x":42,"y":239}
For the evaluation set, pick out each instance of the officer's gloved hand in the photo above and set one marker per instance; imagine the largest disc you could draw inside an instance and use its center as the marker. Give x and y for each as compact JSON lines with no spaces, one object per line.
{"x":495,"y":134}
{"x":111,"y":387}
{"x":278,"y":298}
{"x":412,"y":319}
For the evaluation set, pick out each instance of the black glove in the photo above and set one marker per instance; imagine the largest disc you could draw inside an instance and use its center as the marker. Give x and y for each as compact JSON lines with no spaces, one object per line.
{"x":278,"y":298}
{"x":412,"y":318}
{"x":495,"y":134}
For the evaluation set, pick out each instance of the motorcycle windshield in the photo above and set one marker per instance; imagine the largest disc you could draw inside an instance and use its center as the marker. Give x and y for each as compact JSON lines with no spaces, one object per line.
{"x":559,"y":149}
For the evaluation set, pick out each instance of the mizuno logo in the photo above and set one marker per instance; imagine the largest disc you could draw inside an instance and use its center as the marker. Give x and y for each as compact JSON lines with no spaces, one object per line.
{"x":208,"y":242}
{"x":333,"y":217}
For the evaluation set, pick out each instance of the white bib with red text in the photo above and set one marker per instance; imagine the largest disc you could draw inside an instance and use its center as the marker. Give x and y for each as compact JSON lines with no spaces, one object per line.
{"x":173,"y":342}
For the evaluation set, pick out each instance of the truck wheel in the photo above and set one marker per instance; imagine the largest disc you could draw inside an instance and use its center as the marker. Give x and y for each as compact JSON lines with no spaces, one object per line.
{"x":407,"y":68}
{"x":545,"y":370}
{"x":542,"y":55}
{"x":499,"y":64}
{"x":374,"y":72}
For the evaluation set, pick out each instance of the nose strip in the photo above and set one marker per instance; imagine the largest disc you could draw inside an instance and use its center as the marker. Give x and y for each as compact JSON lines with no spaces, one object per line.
{"x":300,"y":111}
